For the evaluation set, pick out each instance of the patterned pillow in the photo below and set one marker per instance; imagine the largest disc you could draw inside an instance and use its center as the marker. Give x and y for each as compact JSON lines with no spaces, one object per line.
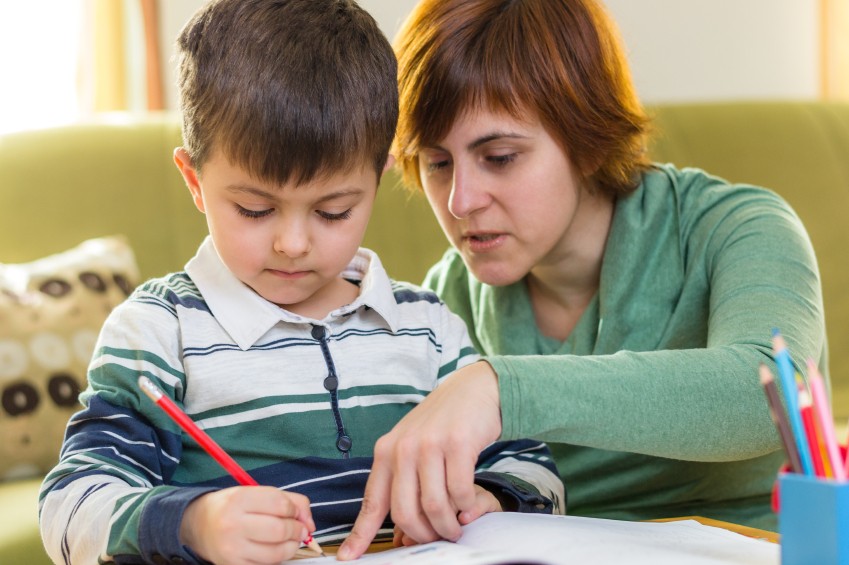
{"x":51,"y":311}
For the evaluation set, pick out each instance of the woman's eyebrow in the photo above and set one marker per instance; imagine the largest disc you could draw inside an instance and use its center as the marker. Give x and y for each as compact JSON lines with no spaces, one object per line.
{"x":484,"y":139}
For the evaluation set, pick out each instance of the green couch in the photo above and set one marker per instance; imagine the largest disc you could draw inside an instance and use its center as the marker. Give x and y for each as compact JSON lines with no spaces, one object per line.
{"x":61,"y":186}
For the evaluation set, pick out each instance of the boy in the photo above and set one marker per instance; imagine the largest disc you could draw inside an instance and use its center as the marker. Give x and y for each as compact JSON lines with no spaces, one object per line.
{"x":282,"y":339}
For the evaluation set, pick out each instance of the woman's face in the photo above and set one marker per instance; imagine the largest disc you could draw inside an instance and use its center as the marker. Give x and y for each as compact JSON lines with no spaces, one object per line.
{"x":505,"y":194}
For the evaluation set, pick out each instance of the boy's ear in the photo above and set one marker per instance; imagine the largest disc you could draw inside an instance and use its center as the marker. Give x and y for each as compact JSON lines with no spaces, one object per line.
{"x":390,"y":160}
{"x":184,"y":165}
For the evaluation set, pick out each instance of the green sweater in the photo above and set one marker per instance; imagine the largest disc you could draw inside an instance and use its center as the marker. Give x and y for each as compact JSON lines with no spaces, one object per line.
{"x":653,"y":406}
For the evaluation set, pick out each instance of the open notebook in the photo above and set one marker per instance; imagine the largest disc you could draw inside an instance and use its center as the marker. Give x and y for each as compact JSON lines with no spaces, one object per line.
{"x":509,"y":538}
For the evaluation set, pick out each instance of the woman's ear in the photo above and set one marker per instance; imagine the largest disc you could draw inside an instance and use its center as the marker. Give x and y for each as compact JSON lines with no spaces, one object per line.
{"x":190,"y":176}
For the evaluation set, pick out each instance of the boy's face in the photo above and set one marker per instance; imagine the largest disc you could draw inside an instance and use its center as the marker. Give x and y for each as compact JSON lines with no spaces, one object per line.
{"x":288,"y":243}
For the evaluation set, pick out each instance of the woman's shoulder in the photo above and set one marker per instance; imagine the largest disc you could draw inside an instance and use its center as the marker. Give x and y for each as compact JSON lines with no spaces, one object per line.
{"x":707,"y":205}
{"x":699,"y":195}
{"x":695,"y":186}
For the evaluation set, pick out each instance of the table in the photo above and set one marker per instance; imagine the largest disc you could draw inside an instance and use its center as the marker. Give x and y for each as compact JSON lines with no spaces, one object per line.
{"x":756,"y":533}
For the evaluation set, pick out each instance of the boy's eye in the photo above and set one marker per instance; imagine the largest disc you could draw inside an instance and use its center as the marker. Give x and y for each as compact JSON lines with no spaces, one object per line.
{"x":330,"y":217}
{"x":253,"y":214}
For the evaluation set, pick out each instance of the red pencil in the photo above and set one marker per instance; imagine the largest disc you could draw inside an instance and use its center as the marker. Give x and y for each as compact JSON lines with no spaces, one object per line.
{"x":206,"y":442}
{"x":807,"y":411}
{"x":822,"y":411}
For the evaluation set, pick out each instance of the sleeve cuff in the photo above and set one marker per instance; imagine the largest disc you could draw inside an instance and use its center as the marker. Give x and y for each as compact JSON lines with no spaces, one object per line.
{"x":159,"y":527}
{"x":507,"y":394}
{"x":514,"y":494}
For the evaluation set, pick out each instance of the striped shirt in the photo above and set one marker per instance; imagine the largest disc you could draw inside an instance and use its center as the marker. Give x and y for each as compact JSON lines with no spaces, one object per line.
{"x":297,"y":402}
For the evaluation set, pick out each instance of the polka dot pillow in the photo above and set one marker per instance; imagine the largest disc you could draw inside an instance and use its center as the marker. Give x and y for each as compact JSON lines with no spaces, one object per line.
{"x":51,"y":311}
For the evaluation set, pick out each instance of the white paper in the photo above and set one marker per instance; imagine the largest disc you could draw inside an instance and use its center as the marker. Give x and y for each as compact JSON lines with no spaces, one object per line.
{"x":505,"y":537}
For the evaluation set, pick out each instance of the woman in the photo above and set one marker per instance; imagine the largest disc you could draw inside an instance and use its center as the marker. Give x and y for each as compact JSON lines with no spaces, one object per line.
{"x":622,"y":306}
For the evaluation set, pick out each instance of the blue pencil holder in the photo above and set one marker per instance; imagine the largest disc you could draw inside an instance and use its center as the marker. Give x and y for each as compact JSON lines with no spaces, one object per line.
{"x":813,"y":521}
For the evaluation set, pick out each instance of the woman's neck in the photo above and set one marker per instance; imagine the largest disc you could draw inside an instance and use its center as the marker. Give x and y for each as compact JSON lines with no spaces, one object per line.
{"x":564,"y":283}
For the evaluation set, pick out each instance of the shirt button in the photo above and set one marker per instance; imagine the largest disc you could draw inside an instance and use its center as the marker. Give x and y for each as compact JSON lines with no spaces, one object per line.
{"x":331,"y":383}
{"x":317,"y":332}
{"x":159,"y":560}
{"x":344,"y":443}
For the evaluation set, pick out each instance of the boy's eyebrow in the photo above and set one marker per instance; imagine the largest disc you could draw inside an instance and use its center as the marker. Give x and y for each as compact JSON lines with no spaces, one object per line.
{"x":272,"y":196}
{"x":251,"y":190}
{"x":340,"y":194}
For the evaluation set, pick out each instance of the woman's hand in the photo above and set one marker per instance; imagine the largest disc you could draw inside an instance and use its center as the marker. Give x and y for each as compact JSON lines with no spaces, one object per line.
{"x":247,"y":524}
{"x":424,"y":468}
{"x":485,"y":502}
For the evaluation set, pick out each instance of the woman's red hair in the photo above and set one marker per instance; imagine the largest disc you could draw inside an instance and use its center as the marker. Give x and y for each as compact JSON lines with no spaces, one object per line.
{"x":558,"y":61}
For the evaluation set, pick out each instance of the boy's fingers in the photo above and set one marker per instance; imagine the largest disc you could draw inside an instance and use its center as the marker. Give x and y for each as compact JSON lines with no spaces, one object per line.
{"x":374,"y":510}
{"x":273,"y":530}
{"x":303,"y":513}
{"x":274,"y":502}
{"x":485,"y":502}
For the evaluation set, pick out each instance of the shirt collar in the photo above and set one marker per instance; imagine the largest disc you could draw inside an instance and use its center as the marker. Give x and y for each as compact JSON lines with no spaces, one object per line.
{"x":246,"y":316}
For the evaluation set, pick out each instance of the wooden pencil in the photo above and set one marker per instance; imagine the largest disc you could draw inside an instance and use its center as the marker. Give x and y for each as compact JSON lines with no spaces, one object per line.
{"x":779,"y":417}
{"x":822,"y":410}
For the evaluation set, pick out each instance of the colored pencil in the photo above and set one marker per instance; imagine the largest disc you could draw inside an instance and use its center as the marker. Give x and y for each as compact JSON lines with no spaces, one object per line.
{"x":806,"y":409}
{"x":791,"y":400}
{"x":207,"y":443}
{"x":779,"y":417}
{"x":815,"y":438}
{"x":822,"y":410}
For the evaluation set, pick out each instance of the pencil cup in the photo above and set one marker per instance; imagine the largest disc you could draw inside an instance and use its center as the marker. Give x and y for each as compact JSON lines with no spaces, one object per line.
{"x":813,"y":521}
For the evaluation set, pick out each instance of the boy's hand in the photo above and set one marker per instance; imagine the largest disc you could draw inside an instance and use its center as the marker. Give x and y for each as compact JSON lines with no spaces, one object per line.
{"x":485,"y":502}
{"x":247,"y":524}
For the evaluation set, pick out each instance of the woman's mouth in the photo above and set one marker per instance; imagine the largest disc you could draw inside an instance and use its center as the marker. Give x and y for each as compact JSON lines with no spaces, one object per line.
{"x":481,"y":242}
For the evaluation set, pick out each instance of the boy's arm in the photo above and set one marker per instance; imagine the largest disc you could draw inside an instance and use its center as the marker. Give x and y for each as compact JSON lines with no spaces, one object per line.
{"x":107,"y":498}
{"x":521,"y":473}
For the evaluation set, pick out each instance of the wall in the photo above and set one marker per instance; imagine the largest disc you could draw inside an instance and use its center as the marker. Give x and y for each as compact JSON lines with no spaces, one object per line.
{"x":679,"y":50}
{"x":721,"y":49}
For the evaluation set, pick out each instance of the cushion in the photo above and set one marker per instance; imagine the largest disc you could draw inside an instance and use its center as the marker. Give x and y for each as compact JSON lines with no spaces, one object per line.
{"x":51,"y":311}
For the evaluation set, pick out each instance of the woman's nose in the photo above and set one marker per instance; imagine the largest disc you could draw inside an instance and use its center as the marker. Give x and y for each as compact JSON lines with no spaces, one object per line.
{"x":468,"y":194}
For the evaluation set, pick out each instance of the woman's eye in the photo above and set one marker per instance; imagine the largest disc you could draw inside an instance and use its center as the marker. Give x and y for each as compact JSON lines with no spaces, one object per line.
{"x":501,"y":160}
{"x":437,"y":166}
{"x":330,"y":217}
{"x":253,"y":214}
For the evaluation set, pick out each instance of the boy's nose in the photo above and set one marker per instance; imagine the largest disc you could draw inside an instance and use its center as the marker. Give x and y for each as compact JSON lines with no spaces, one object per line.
{"x":292,"y":240}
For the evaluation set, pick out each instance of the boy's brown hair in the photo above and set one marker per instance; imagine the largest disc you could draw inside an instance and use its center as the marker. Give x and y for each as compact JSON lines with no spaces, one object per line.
{"x":289,"y":90}
{"x":556,"y":60}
